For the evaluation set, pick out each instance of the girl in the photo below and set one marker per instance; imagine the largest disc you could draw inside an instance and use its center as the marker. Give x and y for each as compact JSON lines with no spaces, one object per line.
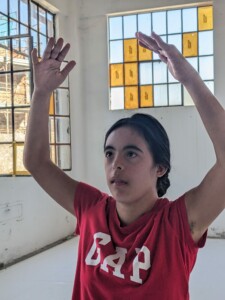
{"x":133,"y":244}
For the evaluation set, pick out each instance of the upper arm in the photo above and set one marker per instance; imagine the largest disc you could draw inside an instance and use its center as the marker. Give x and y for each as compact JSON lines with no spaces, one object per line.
{"x":206,"y":201}
{"x":57,"y":184}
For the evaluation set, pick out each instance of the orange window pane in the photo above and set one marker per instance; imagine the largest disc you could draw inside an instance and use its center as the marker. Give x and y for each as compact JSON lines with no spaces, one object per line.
{"x":205,"y":18}
{"x":116,"y":75}
{"x":51,"y":105}
{"x":146,"y":96}
{"x":130,"y":50}
{"x":131,"y":97}
{"x":131,"y":74}
{"x":190,"y":44}
{"x":144,"y":54}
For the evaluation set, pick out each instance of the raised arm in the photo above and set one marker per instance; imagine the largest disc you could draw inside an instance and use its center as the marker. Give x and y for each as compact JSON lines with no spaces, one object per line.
{"x":47,"y":77}
{"x":206,"y":201}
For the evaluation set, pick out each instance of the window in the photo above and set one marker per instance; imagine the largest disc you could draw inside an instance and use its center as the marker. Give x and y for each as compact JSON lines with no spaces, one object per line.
{"x":25,"y":24}
{"x":137,"y":77}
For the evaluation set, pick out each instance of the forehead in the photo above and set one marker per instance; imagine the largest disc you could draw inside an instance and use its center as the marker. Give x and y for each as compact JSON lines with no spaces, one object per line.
{"x":125,"y":135}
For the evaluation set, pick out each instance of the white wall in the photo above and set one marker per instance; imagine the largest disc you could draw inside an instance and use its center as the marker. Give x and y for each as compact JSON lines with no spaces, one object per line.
{"x":34,"y":220}
{"x":192,"y":152}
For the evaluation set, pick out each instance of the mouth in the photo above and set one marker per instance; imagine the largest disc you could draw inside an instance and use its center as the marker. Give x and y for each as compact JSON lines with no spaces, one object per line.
{"x":118,"y":182}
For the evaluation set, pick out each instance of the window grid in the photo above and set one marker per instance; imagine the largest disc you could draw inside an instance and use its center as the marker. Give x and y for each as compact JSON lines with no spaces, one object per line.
{"x":17,"y":37}
{"x":190,"y":47}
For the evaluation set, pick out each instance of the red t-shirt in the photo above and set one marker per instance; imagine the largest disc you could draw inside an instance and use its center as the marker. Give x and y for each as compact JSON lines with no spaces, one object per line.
{"x":149,"y":259}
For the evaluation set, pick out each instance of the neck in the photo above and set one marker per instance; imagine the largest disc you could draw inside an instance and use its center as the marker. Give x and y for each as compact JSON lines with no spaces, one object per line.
{"x":128,"y":212}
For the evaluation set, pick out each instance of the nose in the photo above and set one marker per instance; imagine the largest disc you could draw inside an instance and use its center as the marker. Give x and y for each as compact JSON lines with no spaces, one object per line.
{"x":118,"y":164}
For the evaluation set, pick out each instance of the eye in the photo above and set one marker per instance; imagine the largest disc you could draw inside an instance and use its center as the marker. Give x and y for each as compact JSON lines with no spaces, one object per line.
{"x":131,"y":154}
{"x":108,"y":154}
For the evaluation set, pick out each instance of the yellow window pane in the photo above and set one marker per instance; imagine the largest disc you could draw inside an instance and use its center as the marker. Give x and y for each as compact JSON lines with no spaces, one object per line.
{"x":131,"y":97}
{"x":205,"y":18}
{"x":131,"y":74}
{"x":144,"y":54}
{"x":51,"y":105}
{"x":116,"y":75}
{"x":146,"y":96}
{"x":130,"y":50}
{"x":190,"y":44}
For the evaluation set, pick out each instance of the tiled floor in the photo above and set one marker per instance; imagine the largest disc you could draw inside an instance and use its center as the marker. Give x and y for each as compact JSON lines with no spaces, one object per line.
{"x":49,"y":275}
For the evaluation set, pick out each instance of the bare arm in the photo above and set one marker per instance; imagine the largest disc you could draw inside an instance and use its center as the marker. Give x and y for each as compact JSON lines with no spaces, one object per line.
{"x":206,"y":201}
{"x":47,"y":77}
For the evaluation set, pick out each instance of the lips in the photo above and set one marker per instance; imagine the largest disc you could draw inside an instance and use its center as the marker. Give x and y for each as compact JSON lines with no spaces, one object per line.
{"x":118,"y":181}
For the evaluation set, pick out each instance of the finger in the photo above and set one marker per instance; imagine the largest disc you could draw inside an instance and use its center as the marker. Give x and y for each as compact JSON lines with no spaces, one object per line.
{"x":63,"y":53}
{"x":57,"y":48}
{"x":163,"y":58}
{"x":34,"y":56}
{"x":147,"y":42}
{"x":65,"y":71}
{"x":159,"y":40}
{"x":48,"y":49}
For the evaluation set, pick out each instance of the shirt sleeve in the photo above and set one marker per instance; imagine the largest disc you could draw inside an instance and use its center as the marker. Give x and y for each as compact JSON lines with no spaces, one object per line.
{"x":85,"y":197}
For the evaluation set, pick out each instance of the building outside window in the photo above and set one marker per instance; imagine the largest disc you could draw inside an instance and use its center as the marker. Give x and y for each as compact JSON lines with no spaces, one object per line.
{"x":25,"y":24}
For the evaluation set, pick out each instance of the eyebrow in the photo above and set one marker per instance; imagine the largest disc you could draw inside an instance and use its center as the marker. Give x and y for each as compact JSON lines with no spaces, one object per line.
{"x":127,"y":147}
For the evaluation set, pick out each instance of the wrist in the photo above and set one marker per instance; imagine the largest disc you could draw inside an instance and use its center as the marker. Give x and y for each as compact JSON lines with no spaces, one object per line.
{"x":42,"y":93}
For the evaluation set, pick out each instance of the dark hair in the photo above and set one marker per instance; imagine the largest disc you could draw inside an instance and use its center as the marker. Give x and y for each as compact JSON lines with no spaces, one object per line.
{"x":157,"y":141}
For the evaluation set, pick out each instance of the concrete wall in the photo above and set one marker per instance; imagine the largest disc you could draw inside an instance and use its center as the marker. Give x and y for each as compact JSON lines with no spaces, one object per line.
{"x":29,"y":219}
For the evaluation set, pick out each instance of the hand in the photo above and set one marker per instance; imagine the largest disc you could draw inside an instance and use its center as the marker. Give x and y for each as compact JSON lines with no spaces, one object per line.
{"x":178,"y":66}
{"x":47,"y":74}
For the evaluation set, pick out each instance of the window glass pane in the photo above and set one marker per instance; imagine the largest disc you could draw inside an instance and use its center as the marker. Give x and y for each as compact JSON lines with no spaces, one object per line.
{"x":117,"y":98}
{"x":65,"y":83}
{"x":130,"y":50}
{"x":116,"y":75}
{"x":115,"y":28}
{"x":35,"y":38}
{"x":190,"y":44}
{"x":130,"y":26}
{"x":159,"y":72}
{"x":146,"y":96}
{"x":13,"y":9}
{"x":53,"y":153}
{"x":51,"y":125}
{"x":189,"y":19}
{"x":5,"y":125}
{"x":116,"y":52}
{"x":205,"y":43}
{"x":21,"y":81}
{"x":210,"y":85}
{"x":6,"y":159}
{"x":3,"y":25}
{"x":205,"y":18}
{"x":144,"y":23}
{"x":131,"y":74}
{"x":5,"y":58}
{"x":176,"y":40}
{"x":24,"y":11}
{"x":23,"y":29}
{"x":4,"y":6}
{"x":42,"y":43}
{"x":42,"y":21}
{"x":174,"y":26}
{"x":206,"y":67}
{"x":24,"y":47}
{"x":62,"y":106}
{"x":21,"y":58}
{"x":62,"y":125}
{"x":20,"y":123}
{"x":131,"y":97}
{"x":160,"y":95}
{"x":145,"y":73}
{"x":144,"y":54}
{"x":20,"y":169}
{"x":52,"y":104}
{"x":187,"y":98}
{"x":50,"y":25}
{"x":13,"y":27}
{"x":175,"y":94}
{"x":33,"y":16}
{"x":159,"y":22}
{"x":194,"y":62}
{"x":64,"y":157}
{"x":5,"y":90}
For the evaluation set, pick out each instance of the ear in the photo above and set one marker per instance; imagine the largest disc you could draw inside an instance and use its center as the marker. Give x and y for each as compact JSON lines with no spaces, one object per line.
{"x":161,"y":170}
